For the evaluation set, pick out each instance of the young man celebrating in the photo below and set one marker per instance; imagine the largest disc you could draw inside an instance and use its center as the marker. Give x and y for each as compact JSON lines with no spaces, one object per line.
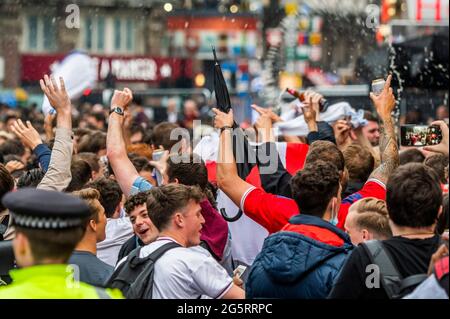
{"x":93,"y":271}
{"x":273,"y":212}
{"x":144,"y":230}
{"x":188,"y":271}
{"x":414,"y":202}
{"x":303,"y":259}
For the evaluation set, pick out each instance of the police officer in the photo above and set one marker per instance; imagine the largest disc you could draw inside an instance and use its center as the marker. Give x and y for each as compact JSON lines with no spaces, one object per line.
{"x":48,"y":225}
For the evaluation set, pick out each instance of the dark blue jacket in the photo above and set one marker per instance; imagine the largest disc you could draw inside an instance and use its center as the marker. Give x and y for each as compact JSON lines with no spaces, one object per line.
{"x":292,"y":265}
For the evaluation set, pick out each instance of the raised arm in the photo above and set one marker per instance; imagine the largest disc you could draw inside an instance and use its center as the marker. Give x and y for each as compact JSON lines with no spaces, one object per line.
{"x":30,"y":138}
{"x":58,"y":175}
{"x":124,"y":171}
{"x":228,"y":179}
{"x":384,"y":104}
{"x":277,"y":182}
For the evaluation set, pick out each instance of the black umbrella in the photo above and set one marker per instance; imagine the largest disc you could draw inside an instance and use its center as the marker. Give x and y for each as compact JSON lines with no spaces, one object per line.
{"x":220,"y":87}
{"x":243,"y":160}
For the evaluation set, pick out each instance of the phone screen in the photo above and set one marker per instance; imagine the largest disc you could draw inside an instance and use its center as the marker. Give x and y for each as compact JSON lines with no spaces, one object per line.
{"x":420,"y":135}
{"x":239,"y":271}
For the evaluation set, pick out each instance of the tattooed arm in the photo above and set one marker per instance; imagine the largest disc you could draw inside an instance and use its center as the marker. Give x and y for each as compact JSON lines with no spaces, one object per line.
{"x":384,"y":104}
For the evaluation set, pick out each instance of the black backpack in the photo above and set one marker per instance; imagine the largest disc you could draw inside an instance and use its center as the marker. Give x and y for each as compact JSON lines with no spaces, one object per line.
{"x":134,"y":277}
{"x":393,"y":283}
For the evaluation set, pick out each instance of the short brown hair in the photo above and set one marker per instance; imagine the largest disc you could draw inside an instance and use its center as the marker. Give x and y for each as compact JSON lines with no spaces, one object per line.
{"x":161,"y":135}
{"x":359,"y":162}
{"x":110,"y":194}
{"x":164,"y":201}
{"x":438,"y":162}
{"x":411,"y":155}
{"x":90,"y":158}
{"x":135,"y":200}
{"x":326,"y":151}
{"x":314,"y":187}
{"x":413,"y":196}
{"x":52,"y":243}
{"x":90,"y":196}
{"x":369,"y":116}
{"x":192,"y":172}
{"x":373,"y":215}
{"x":92,"y":143}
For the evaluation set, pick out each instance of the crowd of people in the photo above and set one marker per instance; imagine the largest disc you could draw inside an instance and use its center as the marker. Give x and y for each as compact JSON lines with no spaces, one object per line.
{"x":102,"y":203}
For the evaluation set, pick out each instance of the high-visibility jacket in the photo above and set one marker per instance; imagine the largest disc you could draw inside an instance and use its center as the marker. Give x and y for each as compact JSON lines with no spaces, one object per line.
{"x":52,"y":282}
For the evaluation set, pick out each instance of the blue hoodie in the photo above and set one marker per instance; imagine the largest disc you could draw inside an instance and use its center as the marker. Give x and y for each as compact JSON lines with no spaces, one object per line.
{"x":294,"y":265}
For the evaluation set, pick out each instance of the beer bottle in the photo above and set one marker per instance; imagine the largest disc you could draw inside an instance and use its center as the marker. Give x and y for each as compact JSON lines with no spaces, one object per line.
{"x":323,"y":103}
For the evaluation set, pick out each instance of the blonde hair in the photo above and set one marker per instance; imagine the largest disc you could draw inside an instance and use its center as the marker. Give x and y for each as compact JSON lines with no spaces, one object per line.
{"x":91,"y":197}
{"x":372,"y":214}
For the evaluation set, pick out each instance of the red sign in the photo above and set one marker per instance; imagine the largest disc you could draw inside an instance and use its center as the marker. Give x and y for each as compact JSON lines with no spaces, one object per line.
{"x":124,"y":68}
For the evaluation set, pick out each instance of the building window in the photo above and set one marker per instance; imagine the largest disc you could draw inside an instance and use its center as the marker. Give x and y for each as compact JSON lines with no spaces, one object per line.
{"x":110,"y":35}
{"x":40,"y":33}
{"x":94,"y":34}
{"x":88,"y":37}
{"x":124,"y":33}
{"x":129,"y":34}
{"x":101,"y":33}
{"x":32,"y":32}
{"x":49,"y":33}
{"x":117,"y":34}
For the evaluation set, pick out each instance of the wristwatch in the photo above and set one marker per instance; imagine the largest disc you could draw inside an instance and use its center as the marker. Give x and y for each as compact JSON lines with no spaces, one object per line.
{"x":117,"y":109}
{"x":226,"y":128}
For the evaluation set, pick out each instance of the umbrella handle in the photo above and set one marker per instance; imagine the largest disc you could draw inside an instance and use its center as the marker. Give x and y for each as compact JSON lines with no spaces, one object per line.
{"x":230,"y":219}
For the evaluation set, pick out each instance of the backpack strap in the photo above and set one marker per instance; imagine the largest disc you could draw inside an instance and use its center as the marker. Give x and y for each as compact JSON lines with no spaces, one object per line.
{"x":143,"y":285}
{"x":162,"y":250}
{"x":412,"y":281}
{"x":133,"y":258}
{"x":390,"y":277}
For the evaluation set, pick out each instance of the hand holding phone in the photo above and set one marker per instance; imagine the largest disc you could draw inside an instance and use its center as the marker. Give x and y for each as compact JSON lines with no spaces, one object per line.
{"x":237,"y":274}
{"x":239,"y":271}
{"x":443,"y":147}
{"x":420,"y":135}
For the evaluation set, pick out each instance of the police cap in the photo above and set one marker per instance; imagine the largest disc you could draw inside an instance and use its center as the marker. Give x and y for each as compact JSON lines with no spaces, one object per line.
{"x":43,"y":209}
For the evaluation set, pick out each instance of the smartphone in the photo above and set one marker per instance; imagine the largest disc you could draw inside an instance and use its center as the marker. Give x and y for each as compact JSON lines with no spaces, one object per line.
{"x":156,"y":156}
{"x":378,"y":86}
{"x":420,"y":135}
{"x":239,"y":271}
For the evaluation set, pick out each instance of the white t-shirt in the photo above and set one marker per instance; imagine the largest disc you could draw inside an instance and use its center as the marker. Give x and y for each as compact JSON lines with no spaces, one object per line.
{"x":118,"y":231}
{"x":186,"y":273}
